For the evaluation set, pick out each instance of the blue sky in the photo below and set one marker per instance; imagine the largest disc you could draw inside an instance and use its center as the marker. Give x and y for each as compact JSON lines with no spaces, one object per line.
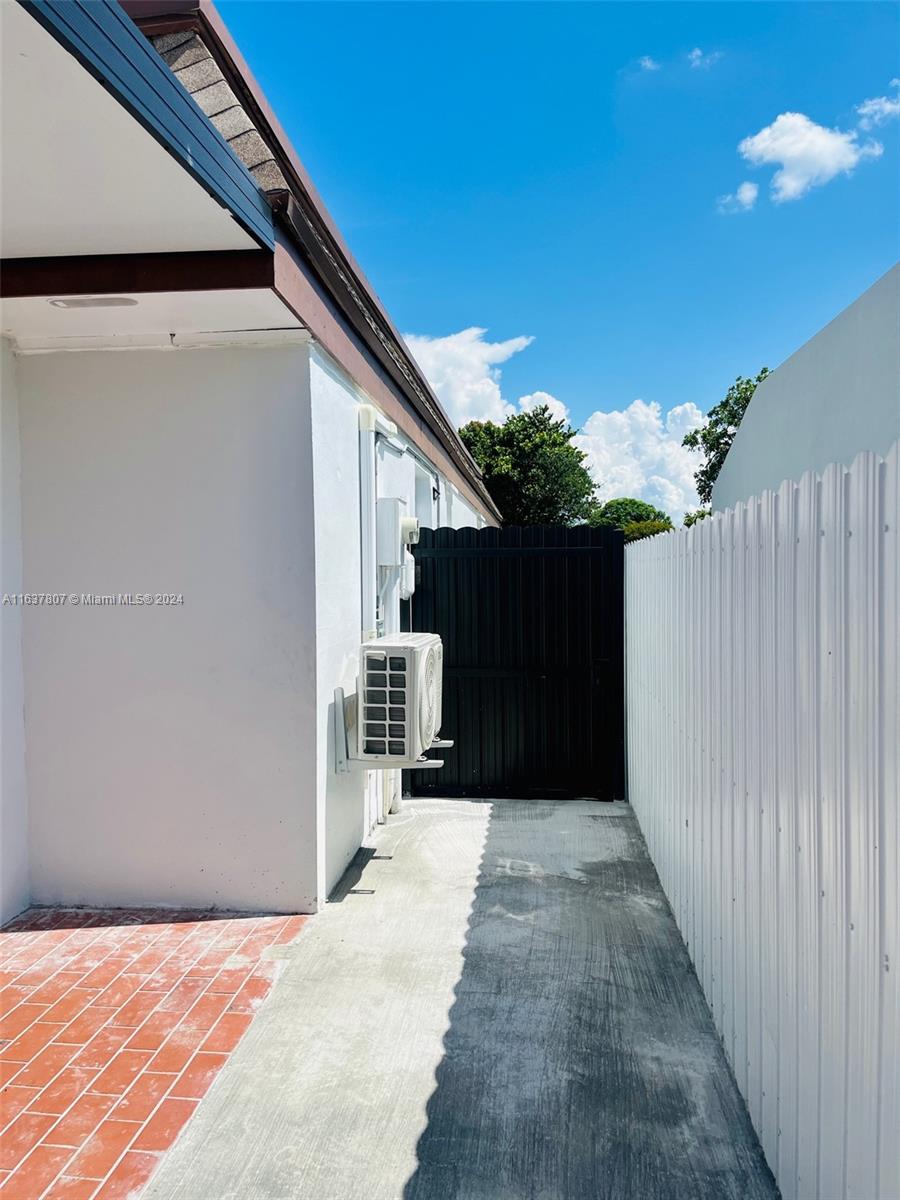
{"x":515,"y":168}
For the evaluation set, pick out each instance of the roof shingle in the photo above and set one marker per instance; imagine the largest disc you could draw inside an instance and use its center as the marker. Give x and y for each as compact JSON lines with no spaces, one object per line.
{"x":192,"y":64}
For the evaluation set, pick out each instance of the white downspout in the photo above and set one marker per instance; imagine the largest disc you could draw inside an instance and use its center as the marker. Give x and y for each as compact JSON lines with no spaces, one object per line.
{"x":367,"y":418}
{"x":370,"y":422}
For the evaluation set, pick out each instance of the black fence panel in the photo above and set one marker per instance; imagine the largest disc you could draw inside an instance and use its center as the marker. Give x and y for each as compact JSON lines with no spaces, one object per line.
{"x":532,"y":624}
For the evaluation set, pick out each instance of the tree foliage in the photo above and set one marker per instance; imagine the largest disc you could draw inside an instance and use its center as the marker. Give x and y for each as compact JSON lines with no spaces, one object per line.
{"x":715,"y":437}
{"x":699,"y":514}
{"x":533,"y":472}
{"x":625,"y":511}
{"x":635,"y":530}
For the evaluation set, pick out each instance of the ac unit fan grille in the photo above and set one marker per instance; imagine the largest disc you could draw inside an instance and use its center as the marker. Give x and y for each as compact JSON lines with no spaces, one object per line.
{"x":428,"y":703}
{"x":385,"y":708}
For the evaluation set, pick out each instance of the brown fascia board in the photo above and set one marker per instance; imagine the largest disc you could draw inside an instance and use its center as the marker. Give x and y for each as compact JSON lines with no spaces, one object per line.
{"x":309,"y":222}
{"x":110,"y":274}
{"x":285,"y":273}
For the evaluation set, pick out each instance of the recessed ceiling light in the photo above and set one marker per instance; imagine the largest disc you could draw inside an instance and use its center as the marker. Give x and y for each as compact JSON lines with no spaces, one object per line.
{"x":94,"y":302}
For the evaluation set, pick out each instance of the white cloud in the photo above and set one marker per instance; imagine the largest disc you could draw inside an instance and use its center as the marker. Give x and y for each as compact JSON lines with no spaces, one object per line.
{"x":637,"y":452}
{"x":558,"y":410}
{"x":808,"y":155}
{"x":879,"y":109}
{"x":741,"y":200}
{"x":634,"y":451}
{"x":463,"y":369}
{"x":648,"y":64}
{"x":700,"y":61}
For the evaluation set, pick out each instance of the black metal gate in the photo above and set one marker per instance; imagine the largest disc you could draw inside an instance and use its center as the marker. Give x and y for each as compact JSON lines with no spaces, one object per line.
{"x":532,"y":624}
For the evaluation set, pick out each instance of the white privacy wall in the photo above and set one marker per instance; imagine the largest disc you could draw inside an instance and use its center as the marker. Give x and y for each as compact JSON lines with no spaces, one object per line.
{"x":763,"y":734}
{"x":834,"y":397}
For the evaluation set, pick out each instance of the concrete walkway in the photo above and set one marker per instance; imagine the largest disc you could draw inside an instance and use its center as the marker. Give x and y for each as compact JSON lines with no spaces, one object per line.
{"x":498,"y":1006}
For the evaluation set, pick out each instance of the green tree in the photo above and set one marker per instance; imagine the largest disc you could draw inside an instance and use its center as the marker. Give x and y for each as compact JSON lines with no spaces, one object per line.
{"x":635,"y":530}
{"x":715,"y":437}
{"x":625,"y":511}
{"x":533,"y":472}
{"x":699,"y":514}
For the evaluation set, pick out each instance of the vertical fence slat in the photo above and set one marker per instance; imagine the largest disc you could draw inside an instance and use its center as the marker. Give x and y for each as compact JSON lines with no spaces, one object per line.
{"x":763,"y":656}
{"x":787,"y":799}
{"x":806,"y":870}
{"x":864,"y":543}
{"x":888,"y":1178}
{"x":832,"y":799}
{"x":772,"y":699}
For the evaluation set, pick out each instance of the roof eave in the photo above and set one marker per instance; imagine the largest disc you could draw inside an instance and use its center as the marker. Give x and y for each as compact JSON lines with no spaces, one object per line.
{"x":307,"y":221}
{"x":103,"y":40}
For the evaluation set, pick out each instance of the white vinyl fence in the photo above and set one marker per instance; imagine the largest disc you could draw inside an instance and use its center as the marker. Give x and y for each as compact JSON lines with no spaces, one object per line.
{"x":763,"y":734}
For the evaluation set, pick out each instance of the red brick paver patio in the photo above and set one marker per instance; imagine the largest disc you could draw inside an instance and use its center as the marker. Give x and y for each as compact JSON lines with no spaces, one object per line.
{"x":113,"y":1025}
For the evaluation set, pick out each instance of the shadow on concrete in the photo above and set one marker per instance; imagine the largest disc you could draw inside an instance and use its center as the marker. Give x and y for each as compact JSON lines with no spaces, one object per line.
{"x":581,"y":1062}
{"x":348,"y":884}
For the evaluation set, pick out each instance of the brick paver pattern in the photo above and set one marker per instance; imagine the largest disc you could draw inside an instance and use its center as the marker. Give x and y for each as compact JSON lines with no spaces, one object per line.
{"x":113,"y":1025}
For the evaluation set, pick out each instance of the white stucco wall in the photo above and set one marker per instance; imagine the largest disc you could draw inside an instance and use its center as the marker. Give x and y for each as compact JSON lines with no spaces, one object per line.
{"x":345,"y":814}
{"x":171,"y":750}
{"x":335,"y":439}
{"x":184,"y":754}
{"x":838,"y":395}
{"x":14,"y":884}
{"x":400,"y":473}
{"x":456,"y":511}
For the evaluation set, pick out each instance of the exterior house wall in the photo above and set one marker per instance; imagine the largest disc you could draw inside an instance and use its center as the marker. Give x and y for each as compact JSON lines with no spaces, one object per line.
{"x":335,"y":439}
{"x":184,"y":754}
{"x":171,"y":749}
{"x":348,"y":803}
{"x":14,"y":883}
{"x":763,"y":662}
{"x":457,"y":512}
{"x":405,"y":474}
{"x":838,"y":395}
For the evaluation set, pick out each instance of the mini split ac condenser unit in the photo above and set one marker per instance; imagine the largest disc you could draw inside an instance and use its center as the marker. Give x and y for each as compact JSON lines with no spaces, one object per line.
{"x":399,"y":700}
